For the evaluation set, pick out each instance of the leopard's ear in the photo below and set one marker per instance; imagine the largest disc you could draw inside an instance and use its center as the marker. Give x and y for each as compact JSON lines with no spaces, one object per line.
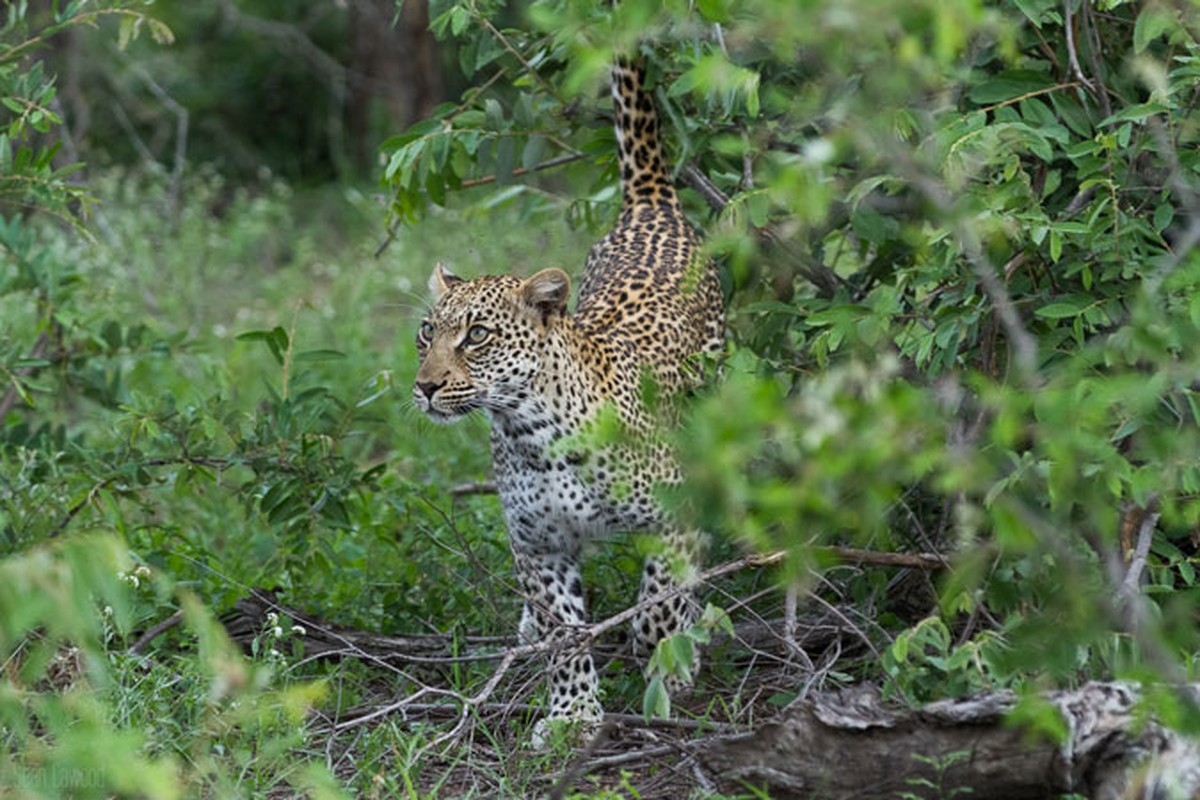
{"x":546,"y":292}
{"x":441,"y":280}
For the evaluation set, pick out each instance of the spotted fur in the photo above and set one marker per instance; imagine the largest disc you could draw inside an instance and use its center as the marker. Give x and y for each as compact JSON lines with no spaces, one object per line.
{"x":648,"y":303}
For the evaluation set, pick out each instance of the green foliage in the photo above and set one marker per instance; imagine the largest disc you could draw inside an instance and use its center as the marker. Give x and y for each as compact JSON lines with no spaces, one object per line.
{"x":960,"y":243}
{"x":29,"y":179}
{"x":675,"y":657}
{"x":924,"y":663}
{"x":959,"y":249}
{"x":935,"y":787}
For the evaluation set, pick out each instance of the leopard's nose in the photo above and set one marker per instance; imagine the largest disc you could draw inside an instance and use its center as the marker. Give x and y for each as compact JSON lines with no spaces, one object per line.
{"x":429,"y":388}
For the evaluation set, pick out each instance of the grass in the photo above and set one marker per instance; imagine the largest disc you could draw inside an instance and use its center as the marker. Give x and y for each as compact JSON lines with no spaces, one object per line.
{"x":305,"y":471}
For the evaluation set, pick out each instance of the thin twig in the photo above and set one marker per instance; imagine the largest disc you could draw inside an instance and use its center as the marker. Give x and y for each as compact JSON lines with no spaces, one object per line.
{"x":673,"y":724}
{"x":1072,"y":56}
{"x":1058,"y":87}
{"x":154,"y":632}
{"x":1189,"y":204}
{"x":699,"y":182}
{"x":1094,"y":57}
{"x":507,"y":45}
{"x":549,"y":164}
{"x":474,"y":487}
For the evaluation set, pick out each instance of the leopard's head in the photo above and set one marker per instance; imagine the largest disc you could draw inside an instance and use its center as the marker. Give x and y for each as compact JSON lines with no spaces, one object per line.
{"x":480,"y":346}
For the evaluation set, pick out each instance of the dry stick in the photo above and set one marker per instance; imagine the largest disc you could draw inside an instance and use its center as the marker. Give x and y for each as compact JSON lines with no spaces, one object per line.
{"x":675,"y":724}
{"x":1072,"y":56}
{"x":636,"y":755}
{"x":823,"y":278}
{"x":468,"y":703}
{"x":579,"y":764}
{"x":154,"y":632}
{"x":1094,"y":49}
{"x":475,"y":487}
{"x":1130,"y":615}
{"x":587,"y":634}
{"x":1128,"y":593}
{"x":699,"y":182}
{"x":549,"y":164}
{"x":181,"y":133}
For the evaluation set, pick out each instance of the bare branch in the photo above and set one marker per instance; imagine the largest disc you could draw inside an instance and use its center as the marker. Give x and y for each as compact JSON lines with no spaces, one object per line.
{"x":1073,"y":57}
{"x":549,"y":164}
{"x":475,"y":487}
{"x":1130,"y":588}
{"x":155,"y":631}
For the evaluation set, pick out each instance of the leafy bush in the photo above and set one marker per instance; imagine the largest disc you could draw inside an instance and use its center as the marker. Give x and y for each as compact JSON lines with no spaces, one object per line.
{"x":960,"y":249}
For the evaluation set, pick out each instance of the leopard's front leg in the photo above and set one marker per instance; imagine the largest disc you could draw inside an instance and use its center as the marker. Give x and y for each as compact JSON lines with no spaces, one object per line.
{"x":554,"y":609}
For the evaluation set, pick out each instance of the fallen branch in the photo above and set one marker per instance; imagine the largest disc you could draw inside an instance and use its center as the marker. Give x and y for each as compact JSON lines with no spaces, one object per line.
{"x":323,"y":639}
{"x":848,"y":744}
{"x":156,"y":631}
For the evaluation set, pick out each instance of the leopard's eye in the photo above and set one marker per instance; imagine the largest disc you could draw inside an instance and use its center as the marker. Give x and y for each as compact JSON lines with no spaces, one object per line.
{"x":425,"y":332}
{"x":477,"y":334}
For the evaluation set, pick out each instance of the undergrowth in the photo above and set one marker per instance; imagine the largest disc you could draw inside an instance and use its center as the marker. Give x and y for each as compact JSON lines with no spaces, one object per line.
{"x":220,"y":405}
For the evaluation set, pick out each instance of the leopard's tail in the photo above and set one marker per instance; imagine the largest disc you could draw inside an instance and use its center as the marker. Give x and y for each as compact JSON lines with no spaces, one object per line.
{"x":645,"y":177}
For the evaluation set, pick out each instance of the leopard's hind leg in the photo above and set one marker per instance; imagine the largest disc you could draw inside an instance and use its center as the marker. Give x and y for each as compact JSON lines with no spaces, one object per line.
{"x":669,"y":573}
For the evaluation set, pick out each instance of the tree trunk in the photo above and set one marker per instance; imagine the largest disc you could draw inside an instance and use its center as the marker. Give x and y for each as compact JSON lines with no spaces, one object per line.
{"x":395,"y":77}
{"x":847,"y":745}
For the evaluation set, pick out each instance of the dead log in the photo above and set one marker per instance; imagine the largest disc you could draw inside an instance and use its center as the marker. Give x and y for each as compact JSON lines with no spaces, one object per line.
{"x":324,"y":639}
{"x":849,"y":744}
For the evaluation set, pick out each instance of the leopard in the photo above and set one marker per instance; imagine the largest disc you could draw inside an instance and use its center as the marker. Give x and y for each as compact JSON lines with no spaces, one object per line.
{"x":650,"y":305}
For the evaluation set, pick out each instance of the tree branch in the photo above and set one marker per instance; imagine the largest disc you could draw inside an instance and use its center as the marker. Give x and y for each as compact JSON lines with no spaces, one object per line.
{"x":824,"y":279}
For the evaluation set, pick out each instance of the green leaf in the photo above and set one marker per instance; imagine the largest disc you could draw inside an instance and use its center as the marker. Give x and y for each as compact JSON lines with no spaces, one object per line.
{"x":1152,"y":22}
{"x":714,"y":10}
{"x":532,"y":154}
{"x":506,"y":158}
{"x":318,"y":355}
{"x":1009,"y":85}
{"x":1058,"y":311}
{"x":656,"y":702}
{"x":460,"y":17}
{"x":1163,"y":215}
{"x":493,"y":114}
{"x":1136,"y":113}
